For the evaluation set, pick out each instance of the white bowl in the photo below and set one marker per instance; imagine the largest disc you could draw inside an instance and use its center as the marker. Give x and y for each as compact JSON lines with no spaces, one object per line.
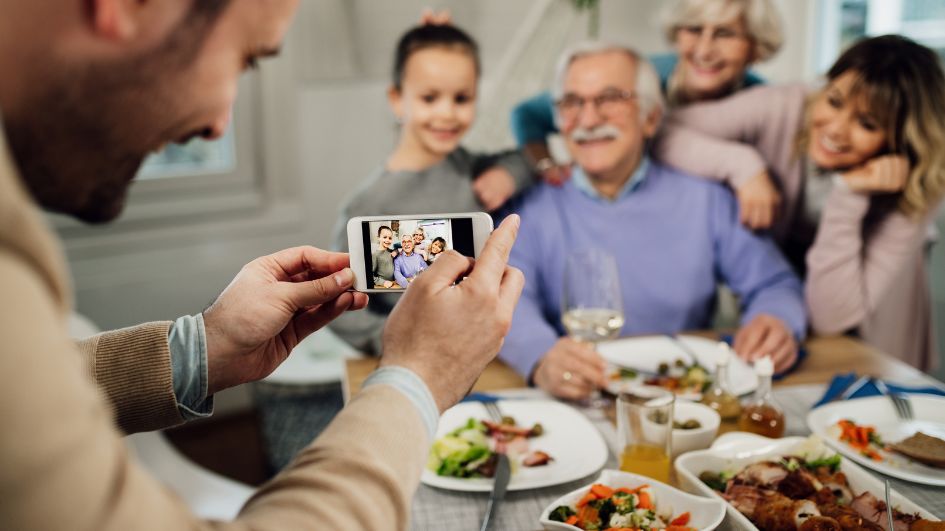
{"x":705,"y":513}
{"x":699,"y":438}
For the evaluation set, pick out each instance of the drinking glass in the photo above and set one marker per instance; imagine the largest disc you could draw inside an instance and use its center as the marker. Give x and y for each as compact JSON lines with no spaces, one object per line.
{"x":645,"y":431}
{"x":591,"y":301}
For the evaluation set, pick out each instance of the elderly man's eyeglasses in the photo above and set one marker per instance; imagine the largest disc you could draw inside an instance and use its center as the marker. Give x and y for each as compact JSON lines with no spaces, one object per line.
{"x":607,"y":103}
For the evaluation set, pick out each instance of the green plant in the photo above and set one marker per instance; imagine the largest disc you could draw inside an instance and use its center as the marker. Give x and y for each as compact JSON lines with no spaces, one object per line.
{"x":593,"y":18}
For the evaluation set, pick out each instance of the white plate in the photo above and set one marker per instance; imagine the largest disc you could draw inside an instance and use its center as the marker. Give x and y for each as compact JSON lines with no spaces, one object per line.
{"x":705,"y":514}
{"x":648,"y":352}
{"x":569,"y":438}
{"x":878,"y":411}
{"x":733,"y":451}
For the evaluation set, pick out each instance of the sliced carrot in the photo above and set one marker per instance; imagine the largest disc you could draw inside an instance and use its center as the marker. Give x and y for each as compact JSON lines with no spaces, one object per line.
{"x":678,"y":528}
{"x":573,"y":519}
{"x":602,"y":491}
{"x":634,"y":490}
{"x":588,"y":514}
{"x":682,"y":519}
{"x":644,"y":500}
{"x":588,"y":498}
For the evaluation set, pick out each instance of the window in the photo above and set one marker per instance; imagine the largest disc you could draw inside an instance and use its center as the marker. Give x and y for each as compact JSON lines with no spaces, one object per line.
{"x":187,"y":192}
{"x":845,"y":21}
{"x":197,"y":157}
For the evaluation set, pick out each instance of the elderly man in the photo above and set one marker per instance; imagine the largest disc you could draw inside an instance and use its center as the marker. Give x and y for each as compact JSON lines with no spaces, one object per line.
{"x":408,"y":264}
{"x":674,"y":236}
{"x":87,"y":90}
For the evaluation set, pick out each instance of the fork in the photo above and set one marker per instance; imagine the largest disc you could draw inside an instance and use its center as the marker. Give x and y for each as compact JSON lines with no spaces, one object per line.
{"x":900,"y":402}
{"x":502,"y":474}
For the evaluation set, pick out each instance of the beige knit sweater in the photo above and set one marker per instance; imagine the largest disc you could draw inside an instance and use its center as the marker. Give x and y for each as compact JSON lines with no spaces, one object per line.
{"x":63,"y":464}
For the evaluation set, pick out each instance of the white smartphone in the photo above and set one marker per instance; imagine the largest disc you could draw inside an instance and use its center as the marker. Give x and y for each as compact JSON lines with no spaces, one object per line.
{"x":388,"y":252}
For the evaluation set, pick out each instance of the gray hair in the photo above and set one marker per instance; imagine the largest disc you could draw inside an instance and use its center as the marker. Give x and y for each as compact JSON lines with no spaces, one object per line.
{"x":647,"y":83}
{"x":762,"y":20}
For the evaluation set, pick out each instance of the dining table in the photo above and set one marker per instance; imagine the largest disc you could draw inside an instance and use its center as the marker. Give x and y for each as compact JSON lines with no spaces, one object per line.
{"x":439,"y":509}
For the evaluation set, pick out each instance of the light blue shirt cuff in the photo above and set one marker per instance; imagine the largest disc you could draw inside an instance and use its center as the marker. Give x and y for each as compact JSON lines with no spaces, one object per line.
{"x":188,"y":345}
{"x":408,"y":383}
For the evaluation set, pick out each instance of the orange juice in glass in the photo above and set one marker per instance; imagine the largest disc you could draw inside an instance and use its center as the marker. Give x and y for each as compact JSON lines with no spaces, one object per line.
{"x":645,"y":431}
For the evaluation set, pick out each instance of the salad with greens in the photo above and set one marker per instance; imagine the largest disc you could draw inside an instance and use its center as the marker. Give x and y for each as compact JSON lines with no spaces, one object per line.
{"x":471,"y":450}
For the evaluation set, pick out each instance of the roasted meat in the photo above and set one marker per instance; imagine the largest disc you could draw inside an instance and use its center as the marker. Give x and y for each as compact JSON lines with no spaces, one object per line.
{"x":770,"y":510}
{"x":765,"y":474}
{"x":874,"y":509}
{"x":820,"y":523}
{"x":536,"y":458}
{"x":848,"y":518}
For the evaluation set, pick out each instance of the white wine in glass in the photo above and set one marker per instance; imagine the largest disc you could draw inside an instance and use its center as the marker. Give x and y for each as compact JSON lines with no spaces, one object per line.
{"x":591,"y":301}
{"x":593,"y":324}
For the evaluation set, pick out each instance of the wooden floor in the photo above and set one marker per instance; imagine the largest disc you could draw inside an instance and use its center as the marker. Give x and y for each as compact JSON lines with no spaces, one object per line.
{"x":231,"y":446}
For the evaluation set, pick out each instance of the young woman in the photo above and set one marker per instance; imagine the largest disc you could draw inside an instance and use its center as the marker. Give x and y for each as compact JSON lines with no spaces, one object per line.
{"x":715,"y":42}
{"x":861,"y":166}
{"x":433,"y":98}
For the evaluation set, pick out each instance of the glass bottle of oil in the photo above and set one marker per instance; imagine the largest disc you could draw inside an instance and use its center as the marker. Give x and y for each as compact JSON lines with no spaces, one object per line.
{"x":719,"y":396}
{"x":761,"y":414}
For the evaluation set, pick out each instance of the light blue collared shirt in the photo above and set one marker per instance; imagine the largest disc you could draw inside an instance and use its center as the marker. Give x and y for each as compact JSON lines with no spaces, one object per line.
{"x":583,"y":183}
{"x":188,"y":345}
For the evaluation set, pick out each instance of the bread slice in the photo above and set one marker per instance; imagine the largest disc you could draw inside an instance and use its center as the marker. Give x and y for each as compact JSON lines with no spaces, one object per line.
{"x":923,"y":448}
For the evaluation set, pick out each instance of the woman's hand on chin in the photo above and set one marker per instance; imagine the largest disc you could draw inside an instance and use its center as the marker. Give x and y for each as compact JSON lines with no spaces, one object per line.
{"x":884,"y":174}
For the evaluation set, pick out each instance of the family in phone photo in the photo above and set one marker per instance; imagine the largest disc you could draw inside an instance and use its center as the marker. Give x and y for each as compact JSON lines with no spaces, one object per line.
{"x":401,"y":250}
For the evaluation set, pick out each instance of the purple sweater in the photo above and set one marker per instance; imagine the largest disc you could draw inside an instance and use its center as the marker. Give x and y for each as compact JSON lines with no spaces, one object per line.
{"x":674,"y":238}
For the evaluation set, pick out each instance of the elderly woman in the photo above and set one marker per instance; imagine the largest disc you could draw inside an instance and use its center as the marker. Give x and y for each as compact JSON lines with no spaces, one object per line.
{"x":862,"y":169}
{"x":715,"y":42}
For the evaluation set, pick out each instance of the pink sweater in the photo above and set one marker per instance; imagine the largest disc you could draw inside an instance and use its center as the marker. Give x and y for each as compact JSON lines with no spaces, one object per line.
{"x":864,"y":275}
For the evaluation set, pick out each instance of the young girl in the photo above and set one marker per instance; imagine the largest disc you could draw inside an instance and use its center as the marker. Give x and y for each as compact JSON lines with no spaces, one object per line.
{"x":437,"y":246}
{"x":382,"y":260}
{"x":861,"y":167}
{"x":433,"y":97}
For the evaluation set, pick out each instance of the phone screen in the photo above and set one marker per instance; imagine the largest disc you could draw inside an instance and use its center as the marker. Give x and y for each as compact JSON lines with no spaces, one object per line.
{"x":398,"y":250}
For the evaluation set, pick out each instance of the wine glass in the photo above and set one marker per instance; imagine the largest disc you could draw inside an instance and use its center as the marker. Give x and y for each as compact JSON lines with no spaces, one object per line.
{"x":591,"y":300}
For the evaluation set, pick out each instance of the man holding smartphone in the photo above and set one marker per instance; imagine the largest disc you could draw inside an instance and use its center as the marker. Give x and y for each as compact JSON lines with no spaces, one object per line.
{"x":87,"y":90}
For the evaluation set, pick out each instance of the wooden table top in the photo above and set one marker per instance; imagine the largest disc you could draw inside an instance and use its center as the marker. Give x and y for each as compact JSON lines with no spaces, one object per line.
{"x":826,"y":357}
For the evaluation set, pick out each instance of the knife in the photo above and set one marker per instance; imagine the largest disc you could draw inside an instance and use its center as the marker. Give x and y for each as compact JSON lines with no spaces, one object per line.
{"x":889,"y":514}
{"x":854,"y":387}
{"x":502,"y":474}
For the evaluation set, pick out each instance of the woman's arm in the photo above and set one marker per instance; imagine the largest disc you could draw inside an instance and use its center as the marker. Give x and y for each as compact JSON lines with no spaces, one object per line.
{"x":698,"y":153}
{"x":735,"y":138}
{"x":847,"y":276}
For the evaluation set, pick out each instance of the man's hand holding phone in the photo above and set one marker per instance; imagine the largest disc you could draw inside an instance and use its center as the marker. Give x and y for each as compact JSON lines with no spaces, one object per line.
{"x":447,"y":332}
{"x":274,"y":302}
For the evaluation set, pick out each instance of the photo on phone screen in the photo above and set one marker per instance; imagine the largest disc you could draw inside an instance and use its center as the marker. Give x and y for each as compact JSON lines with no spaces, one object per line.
{"x":397,"y":251}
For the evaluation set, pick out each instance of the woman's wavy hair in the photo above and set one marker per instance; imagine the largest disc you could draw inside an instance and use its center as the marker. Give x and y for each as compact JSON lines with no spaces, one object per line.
{"x":903,"y":85}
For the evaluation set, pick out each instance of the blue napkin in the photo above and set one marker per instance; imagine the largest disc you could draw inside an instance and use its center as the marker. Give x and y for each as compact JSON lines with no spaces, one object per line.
{"x":801,"y":356}
{"x":841,"y":382}
{"x":485,"y":398}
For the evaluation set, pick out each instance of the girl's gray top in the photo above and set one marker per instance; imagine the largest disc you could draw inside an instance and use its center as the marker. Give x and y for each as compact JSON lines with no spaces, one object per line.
{"x":443,"y":187}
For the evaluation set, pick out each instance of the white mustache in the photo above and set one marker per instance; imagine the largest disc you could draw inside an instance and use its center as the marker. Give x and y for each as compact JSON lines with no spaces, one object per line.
{"x":603,"y":132}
